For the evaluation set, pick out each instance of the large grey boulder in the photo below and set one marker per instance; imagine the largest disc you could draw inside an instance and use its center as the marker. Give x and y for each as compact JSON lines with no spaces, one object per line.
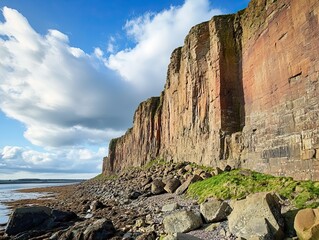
{"x":215,"y":210}
{"x":257,"y":217}
{"x":99,"y":230}
{"x":182,"y":221}
{"x":186,"y":184}
{"x":170,"y":207}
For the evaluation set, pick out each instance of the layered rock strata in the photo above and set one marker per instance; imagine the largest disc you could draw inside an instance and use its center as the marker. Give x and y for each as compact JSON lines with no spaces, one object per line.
{"x":243,"y":91}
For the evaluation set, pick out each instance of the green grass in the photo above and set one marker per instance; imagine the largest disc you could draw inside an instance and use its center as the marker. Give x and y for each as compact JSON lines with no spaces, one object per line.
{"x":103,"y":177}
{"x":234,"y":185}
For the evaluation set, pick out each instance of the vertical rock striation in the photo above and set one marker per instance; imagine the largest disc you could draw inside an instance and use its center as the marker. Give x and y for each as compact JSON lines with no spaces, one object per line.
{"x":243,"y":90}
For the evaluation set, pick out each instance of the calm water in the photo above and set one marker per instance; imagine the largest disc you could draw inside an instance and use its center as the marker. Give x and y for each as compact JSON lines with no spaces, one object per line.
{"x":8,"y":193}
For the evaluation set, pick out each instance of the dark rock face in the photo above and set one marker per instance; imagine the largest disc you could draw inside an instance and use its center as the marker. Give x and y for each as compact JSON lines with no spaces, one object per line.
{"x":23,"y":219}
{"x":242,"y":91}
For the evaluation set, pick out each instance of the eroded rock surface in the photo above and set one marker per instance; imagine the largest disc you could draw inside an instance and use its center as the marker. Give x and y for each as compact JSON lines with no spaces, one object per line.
{"x":242,"y":91}
{"x":257,"y":217}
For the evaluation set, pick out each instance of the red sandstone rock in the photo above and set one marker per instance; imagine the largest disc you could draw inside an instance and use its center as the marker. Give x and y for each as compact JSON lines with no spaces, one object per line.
{"x":242,"y":91}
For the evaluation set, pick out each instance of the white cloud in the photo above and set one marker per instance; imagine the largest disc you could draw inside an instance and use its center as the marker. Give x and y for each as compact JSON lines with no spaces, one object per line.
{"x":110,"y":46}
{"x":63,"y":95}
{"x":68,"y":99}
{"x":67,"y":160}
{"x":156,"y":36}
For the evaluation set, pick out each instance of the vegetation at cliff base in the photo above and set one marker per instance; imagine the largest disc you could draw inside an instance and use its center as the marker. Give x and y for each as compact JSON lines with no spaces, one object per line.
{"x":238,"y":184}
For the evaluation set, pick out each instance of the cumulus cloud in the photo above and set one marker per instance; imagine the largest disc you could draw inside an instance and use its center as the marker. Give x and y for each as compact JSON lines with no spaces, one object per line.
{"x":69,"y":99}
{"x":63,"y":95}
{"x":67,"y":160}
{"x":156,"y":36}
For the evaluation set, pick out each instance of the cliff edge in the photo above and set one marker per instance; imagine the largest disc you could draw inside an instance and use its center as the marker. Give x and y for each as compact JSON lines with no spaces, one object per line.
{"x":242,"y":91}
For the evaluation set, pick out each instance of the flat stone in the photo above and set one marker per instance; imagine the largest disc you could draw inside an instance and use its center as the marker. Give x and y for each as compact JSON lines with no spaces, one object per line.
{"x":182,"y":221}
{"x":170,"y":207}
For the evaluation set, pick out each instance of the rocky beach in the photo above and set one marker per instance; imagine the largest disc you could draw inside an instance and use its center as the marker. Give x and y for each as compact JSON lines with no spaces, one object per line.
{"x":154,"y":203}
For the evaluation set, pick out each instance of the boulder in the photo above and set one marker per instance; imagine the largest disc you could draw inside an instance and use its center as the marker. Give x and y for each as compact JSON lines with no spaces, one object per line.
{"x":215,"y":210}
{"x":99,"y":230}
{"x":182,"y":221}
{"x":186,"y":184}
{"x":258,"y":216}
{"x":172,"y":185}
{"x":37,"y":218}
{"x":157,"y":187}
{"x":27,"y":218}
{"x":307,"y":224}
{"x":170,"y":207}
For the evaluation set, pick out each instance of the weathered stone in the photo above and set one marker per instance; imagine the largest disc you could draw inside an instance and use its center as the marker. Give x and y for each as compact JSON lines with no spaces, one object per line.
{"x":257,"y":216}
{"x":172,"y":185}
{"x":307,"y":224}
{"x":170,"y":207}
{"x":182,"y":221}
{"x":36,"y":218}
{"x":157,"y":187}
{"x":186,"y":184}
{"x":234,"y":94}
{"x":215,"y":210}
{"x":99,"y":230}
{"x":27,"y":218}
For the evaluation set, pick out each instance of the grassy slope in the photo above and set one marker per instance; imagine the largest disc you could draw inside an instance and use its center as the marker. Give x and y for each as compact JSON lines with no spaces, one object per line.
{"x":240,"y":183}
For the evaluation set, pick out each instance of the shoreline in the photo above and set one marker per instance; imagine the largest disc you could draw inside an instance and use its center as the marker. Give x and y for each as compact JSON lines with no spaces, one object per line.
{"x":136,"y":203}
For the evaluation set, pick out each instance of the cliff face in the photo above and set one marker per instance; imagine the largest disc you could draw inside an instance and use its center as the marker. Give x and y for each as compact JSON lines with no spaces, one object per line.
{"x":243,"y":90}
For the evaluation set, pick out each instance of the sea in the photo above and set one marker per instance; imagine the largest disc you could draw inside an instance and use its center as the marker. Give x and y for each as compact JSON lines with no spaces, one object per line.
{"x":8,"y":193}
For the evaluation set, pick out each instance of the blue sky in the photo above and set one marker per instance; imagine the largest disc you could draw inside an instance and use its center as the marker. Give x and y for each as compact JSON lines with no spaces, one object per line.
{"x":72,"y":73}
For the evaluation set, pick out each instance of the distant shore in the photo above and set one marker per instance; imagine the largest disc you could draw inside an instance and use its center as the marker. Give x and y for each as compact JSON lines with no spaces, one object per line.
{"x":39,"y":181}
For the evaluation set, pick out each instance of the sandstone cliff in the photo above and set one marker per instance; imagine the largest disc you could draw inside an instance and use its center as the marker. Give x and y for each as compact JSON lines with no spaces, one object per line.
{"x":243,"y":90}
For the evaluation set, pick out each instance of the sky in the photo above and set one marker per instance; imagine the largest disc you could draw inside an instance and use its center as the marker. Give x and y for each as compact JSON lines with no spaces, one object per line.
{"x":73,"y":72}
